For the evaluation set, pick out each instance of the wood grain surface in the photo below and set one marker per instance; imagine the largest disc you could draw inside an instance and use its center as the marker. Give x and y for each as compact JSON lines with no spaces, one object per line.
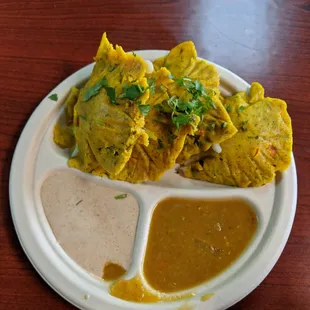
{"x":42,"y":42}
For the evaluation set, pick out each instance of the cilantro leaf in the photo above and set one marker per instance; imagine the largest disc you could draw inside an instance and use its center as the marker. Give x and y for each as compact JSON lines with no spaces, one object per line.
{"x":82,"y":117}
{"x":181,"y":119}
{"x":160,"y":144}
{"x":100,"y":123}
{"x":152,"y":85}
{"x":158,"y":107}
{"x":241,"y":108}
{"x":224,"y":124}
{"x":183,"y":106}
{"x":198,"y":86}
{"x":228,"y":108}
{"x":112,"y":68}
{"x":211,"y":126}
{"x":197,"y":90}
{"x":179,"y":81}
{"x":182,"y":111}
{"x":172,"y":101}
{"x":132,"y":92}
{"x":243,"y":125}
{"x":144,"y":109}
{"x":111,"y":148}
{"x":210,"y":103}
{"x":53,"y":97}
{"x":94,"y":90}
{"x":171,"y":137}
{"x":121,"y":196}
{"x":103,"y":82}
{"x":196,"y":140}
{"x":111,"y":94}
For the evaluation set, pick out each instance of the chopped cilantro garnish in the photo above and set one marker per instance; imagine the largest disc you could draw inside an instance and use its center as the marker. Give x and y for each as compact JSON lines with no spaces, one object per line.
{"x":228,"y":108}
{"x":210,"y":103}
{"x":212,"y":126}
{"x":82,"y":117}
{"x":196,"y":105}
{"x":158,"y":107}
{"x":181,"y":119}
{"x":179,"y":81}
{"x":144,"y":109}
{"x":79,"y":202}
{"x":111,"y":94}
{"x":160,"y":144}
{"x":132,"y":92}
{"x":195,"y":88}
{"x":133,"y":53}
{"x":162,"y":88}
{"x":171,"y":137}
{"x":173,"y":101}
{"x":152,"y":85}
{"x":198,"y":86}
{"x":112,"y":68}
{"x":224,"y":124}
{"x":141,"y":89}
{"x":241,"y":108}
{"x":111,"y":148}
{"x":53,"y":97}
{"x":243,"y":125}
{"x":100,"y":123}
{"x":94,"y":90}
{"x":182,"y":111}
{"x":121,"y":196}
{"x":196,"y":139}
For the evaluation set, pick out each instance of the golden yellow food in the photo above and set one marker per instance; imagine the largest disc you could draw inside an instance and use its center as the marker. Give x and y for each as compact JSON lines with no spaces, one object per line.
{"x":63,"y":136}
{"x":165,"y":139}
{"x":70,"y":103}
{"x":107,"y":128}
{"x":132,"y":126}
{"x":191,"y":241}
{"x":215,"y":125}
{"x":135,"y":290}
{"x":182,"y":61}
{"x":215,"y":128}
{"x":262,"y":146}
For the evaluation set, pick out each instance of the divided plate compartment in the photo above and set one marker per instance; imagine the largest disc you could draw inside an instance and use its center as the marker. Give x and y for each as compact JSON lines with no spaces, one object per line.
{"x":37,"y":157}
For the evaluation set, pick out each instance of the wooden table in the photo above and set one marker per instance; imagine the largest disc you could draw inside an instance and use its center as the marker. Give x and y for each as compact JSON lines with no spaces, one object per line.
{"x":42,"y":42}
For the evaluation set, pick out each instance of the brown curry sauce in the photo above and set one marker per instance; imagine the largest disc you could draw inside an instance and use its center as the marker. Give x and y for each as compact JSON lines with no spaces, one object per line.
{"x":193,"y":240}
{"x":112,"y":271}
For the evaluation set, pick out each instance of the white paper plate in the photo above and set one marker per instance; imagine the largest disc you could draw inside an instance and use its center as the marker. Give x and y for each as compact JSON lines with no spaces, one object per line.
{"x":36,"y":157}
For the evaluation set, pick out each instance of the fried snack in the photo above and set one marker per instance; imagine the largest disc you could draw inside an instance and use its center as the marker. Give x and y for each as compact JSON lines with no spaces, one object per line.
{"x":262,"y":146}
{"x":108,"y":125}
